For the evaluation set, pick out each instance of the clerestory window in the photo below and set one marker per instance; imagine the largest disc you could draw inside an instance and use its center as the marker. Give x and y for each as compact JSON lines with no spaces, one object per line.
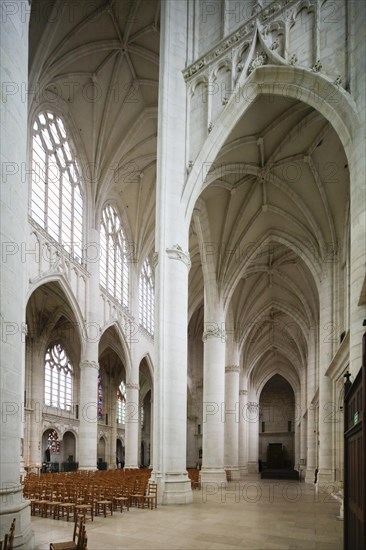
{"x":56,"y":200}
{"x":114,"y":270}
{"x":146,"y":297}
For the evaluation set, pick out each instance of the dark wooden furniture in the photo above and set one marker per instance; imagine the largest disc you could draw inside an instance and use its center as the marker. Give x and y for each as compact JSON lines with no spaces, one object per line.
{"x":355,"y":459}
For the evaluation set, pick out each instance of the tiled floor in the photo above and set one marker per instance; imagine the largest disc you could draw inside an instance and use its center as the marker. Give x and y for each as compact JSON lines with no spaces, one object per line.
{"x":255,"y":515}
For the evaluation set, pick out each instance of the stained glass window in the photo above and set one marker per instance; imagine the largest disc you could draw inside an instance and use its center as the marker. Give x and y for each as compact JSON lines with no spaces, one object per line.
{"x":121,"y":403}
{"x":100,"y":398}
{"x":53,"y":442}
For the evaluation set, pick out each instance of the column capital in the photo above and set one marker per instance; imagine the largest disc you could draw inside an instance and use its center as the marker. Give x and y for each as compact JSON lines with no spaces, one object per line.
{"x":132,"y":386}
{"x":243,"y":392}
{"x":232,"y":368}
{"x":252,"y":406}
{"x":85,"y":363}
{"x":176,"y":252}
{"x":214,"y":333}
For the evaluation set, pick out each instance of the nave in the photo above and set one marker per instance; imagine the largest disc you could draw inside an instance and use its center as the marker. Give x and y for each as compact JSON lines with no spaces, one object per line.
{"x":251,"y":514}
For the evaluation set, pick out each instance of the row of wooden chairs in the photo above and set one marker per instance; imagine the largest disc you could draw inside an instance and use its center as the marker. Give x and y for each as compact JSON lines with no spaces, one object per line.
{"x":8,"y":542}
{"x":79,"y":540}
{"x":90,"y":495}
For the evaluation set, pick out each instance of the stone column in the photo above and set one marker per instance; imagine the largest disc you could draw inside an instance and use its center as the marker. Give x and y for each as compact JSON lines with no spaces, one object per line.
{"x":243,"y":432}
{"x":151,"y":429}
{"x":132,"y":425}
{"x":311,"y":432}
{"x":213,"y":402}
{"x":356,"y":46}
{"x":326,"y":411}
{"x":172,"y":265}
{"x":252,"y":417}
{"x":14,"y":205}
{"x":231,"y":418}
{"x":113,"y":432}
{"x":89,"y":367}
{"x":88,"y":415}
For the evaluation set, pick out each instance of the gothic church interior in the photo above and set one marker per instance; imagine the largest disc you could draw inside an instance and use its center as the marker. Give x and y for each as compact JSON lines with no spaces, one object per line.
{"x":183,"y":238}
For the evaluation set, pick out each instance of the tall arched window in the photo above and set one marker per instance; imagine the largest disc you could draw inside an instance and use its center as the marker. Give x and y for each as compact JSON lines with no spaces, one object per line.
{"x":113,"y":260}
{"x":57,"y":202}
{"x":121,"y":403}
{"x":58,"y":378}
{"x":146,"y":297}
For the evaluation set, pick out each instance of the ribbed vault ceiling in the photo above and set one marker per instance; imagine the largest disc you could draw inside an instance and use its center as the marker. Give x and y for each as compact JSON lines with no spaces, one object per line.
{"x":272,"y":217}
{"x":98,"y":62}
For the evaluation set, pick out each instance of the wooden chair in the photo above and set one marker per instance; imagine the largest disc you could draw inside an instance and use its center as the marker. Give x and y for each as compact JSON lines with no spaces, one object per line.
{"x":151,"y":497}
{"x":7,"y":543}
{"x":78,"y":538}
{"x":87,"y":507}
{"x":104,"y":503}
{"x":121,"y":498}
{"x":138,"y":495}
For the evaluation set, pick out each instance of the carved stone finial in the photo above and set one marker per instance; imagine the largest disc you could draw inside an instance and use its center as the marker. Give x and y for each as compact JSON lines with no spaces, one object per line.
{"x":293,"y":59}
{"x":210,"y":126}
{"x":317,"y":66}
{"x":338,"y":80}
{"x":258,"y":61}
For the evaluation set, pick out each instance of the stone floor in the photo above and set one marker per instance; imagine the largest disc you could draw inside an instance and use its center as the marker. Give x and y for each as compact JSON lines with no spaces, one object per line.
{"x":255,"y":514}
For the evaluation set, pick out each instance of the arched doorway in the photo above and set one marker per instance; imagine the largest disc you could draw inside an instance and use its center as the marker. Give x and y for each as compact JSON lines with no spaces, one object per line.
{"x":69,"y":452}
{"x":101,"y":454}
{"x":276,"y":426}
{"x":120,"y":454}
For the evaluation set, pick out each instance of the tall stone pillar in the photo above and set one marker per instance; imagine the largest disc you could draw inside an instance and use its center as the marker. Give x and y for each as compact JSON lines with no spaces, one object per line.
{"x":231,"y":417}
{"x":14,"y":205}
{"x":213,"y":401}
{"x":252,"y":417}
{"x":326,"y":406}
{"x":311,"y":432}
{"x":132,"y":425}
{"x":243,"y":430}
{"x":113,"y":422}
{"x":356,"y":17}
{"x":88,"y":415}
{"x":89,"y":366}
{"x":172,"y":265}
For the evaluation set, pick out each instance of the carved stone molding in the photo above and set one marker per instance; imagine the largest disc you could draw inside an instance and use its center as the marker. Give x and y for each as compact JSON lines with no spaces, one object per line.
{"x":89,"y":364}
{"x":232,"y":368}
{"x":132,"y":386}
{"x":258,"y":61}
{"x":176,"y":252}
{"x":155,"y":260}
{"x":243,"y":392}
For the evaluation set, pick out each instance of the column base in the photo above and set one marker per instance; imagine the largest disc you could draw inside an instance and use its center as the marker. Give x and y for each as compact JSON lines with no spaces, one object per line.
{"x":253,"y":467}
{"x":173,"y":487}
{"x":310,"y":475}
{"x":234,"y":471}
{"x":213,"y":475}
{"x":14,"y":506}
{"x":325,"y":476}
{"x":243,"y":471}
